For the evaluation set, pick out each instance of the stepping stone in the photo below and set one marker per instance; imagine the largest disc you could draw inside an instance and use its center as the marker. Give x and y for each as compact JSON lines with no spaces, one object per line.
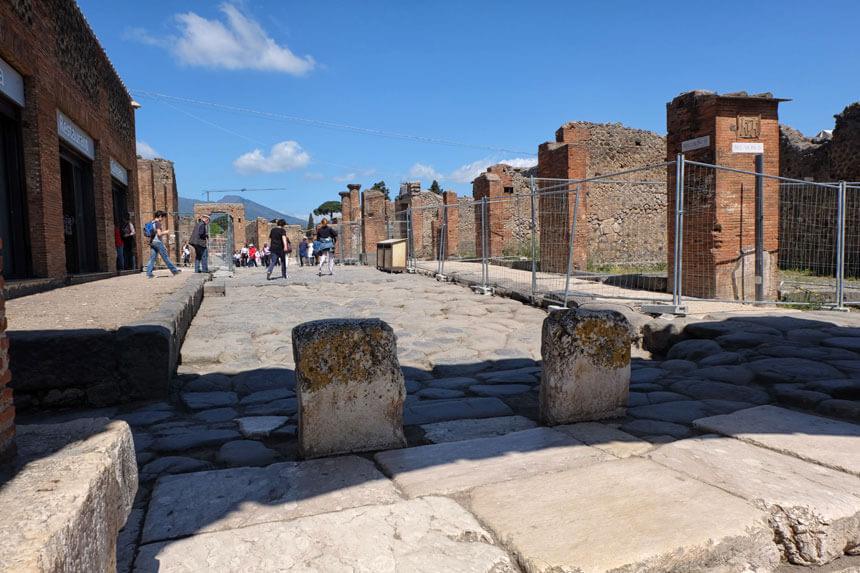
{"x":606,"y":438}
{"x":500,"y":390}
{"x":228,"y":499}
{"x":457,"y":383}
{"x":786,"y":370}
{"x":443,"y":410}
{"x":693,"y":350}
{"x":173,"y":465}
{"x":206,"y":400}
{"x":656,"y":428}
{"x":814,"y":510}
{"x":188,"y":440}
{"x":829,"y":443}
{"x":246,"y":453}
{"x":266,"y":396}
{"x":458,"y":430}
{"x":428,"y":534}
{"x":630,"y":515}
{"x":216,"y":415}
{"x":439,"y":393}
{"x":260,"y":426}
{"x":459,"y":466}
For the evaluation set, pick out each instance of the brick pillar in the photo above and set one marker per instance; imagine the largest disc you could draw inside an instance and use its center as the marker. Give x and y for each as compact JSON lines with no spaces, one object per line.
{"x":345,"y":207}
{"x":354,"y":201}
{"x":7,"y":409}
{"x":452,"y":210}
{"x":373,"y":211}
{"x":719,"y":206}
{"x":566,"y":158}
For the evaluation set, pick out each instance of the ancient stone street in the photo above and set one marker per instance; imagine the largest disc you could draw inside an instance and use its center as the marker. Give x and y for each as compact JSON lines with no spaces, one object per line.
{"x":481,"y":486}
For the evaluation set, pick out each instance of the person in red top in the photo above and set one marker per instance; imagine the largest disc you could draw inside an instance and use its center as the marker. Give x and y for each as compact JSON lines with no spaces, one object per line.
{"x":252,"y":256}
{"x":117,"y":241}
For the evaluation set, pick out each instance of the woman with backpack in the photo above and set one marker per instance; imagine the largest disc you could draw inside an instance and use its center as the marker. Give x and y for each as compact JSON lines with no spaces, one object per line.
{"x":155,"y":230}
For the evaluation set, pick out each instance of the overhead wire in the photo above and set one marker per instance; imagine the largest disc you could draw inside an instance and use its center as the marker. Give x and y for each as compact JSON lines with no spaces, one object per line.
{"x":326,"y":124}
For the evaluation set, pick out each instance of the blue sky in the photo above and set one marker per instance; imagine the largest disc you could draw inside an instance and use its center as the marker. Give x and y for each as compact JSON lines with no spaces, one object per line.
{"x":289,"y":80}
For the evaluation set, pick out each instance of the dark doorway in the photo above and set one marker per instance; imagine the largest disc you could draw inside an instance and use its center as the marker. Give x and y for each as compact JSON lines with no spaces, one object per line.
{"x":15,"y":249}
{"x":79,"y":213}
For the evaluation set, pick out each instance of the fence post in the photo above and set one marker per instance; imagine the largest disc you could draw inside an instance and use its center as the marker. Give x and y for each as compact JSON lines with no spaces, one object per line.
{"x":570,"y":247}
{"x":840,"y":247}
{"x":679,"y":224}
{"x":534,"y":239}
{"x":484,"y":270}
{"x":759,"y":228}
{"x":442,"y":230}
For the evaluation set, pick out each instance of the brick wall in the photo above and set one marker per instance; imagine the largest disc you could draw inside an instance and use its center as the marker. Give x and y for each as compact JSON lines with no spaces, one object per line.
{"x":719,"y":206}
{"x":157,"y":191}
{"x":7,"y":409}
{"x":374,"y":210}
{"x":425,"y":212}
{"x":65,"y":68}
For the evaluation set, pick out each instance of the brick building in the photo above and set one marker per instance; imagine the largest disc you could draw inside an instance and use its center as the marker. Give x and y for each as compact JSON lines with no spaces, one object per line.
{"x":68,"y":150}
{"x":719,"y":206}
{"x":7,"y":408}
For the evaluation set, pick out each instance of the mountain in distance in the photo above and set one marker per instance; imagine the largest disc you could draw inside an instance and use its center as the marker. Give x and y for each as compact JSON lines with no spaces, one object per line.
{"x":252,"y":209}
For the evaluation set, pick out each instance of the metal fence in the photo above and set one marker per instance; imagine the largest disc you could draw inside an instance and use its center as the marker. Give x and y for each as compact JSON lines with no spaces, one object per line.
{"x":348,"y":251}
{"x":651,"y":235}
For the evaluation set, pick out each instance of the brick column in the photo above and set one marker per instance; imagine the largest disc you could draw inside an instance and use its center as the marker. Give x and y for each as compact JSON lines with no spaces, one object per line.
{"x":7,"y":409}
{"x":566,"y":158}
{"x":373,"y":211}
{"x":719,"y":206}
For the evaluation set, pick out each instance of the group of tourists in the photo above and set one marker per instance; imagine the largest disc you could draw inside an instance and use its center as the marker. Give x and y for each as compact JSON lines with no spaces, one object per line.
{"x":272,"y":254}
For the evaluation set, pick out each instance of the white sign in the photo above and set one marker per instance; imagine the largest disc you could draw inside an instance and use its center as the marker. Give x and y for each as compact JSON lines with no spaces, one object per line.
{"x":118,"y":171}
{"x":11,"y":83}
{"x":75,"y":136}
{"x":744,"y":147}
{"x":697,"y":143}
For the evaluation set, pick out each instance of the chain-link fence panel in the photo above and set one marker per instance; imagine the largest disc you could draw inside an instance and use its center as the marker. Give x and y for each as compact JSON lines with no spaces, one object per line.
{"x":348,"y":249}
{"x":424,"y":246}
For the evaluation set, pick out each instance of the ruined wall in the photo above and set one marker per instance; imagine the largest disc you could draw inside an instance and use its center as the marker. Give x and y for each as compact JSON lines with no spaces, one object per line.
{"x":834,"y":158}
{"x":235,"y":210}
{"x":7,"y":408}
{"x":426,"y":210}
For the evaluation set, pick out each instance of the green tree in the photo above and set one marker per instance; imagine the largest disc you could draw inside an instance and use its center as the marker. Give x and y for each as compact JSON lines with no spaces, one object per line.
{"x":434,"y":187}
{"x":380,"y":186}
{"x":310,"y":221}
{"x":328,"y":208}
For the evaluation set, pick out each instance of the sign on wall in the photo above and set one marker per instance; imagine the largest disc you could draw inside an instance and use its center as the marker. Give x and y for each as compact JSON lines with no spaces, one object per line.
{"x":118,"y":172}
{"x":11,"y":83}
{"x":747,"y":147}
{"x":697,"y":143}
{"x":75,"y":136}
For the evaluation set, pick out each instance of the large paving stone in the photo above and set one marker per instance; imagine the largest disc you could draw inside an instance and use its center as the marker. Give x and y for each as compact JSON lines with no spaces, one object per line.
{"x":457,"y":430}
{"x":216,"y":415}
{"x":439,"y":394}
{"x":264,"y":396}
{"x":145,"y":418}
{"x":262,"y":379}
{"x":190,"y":439}
{"x":815,"y":511}
{"x":457,"y":383}
{"x":625,"y":515}
{"x":260,"y":426}
{"x":721,"y":391}
{"x":787,"y":370}
{"x":245,"y":453}
{"x":606,"y":438}
{"x":459,"y":466}
{"x":681,"y":412}
{"x":66,"y":496}
{"x":234,"y":498}
{"x":842,"y":388}
{"x":656,"y":428}
{"x":206,"y":400}
{"x":499,"y":390}
{"x":693,"y":350}
{"x":425,"y":535}
{"x":846,"y":342}
{"x":732,"y":373}
{"x":209,"y":383}
{"x":442,"y":410}
{"x":830,"y":443}
{"x":173,"y":465}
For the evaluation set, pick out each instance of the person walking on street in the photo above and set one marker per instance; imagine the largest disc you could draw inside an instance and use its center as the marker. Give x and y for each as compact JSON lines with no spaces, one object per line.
{"x":156,"y":245}
{"x":199,"y":240}
{"x":327,"y":237}
{"x":127,"y":232}
{"x":279,"y":247}
{"x":303,"y":251}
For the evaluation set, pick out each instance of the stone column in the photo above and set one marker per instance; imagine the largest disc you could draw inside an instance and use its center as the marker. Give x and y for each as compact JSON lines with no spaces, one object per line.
{"x":349,"y":385}
{"x":7,"y":409}
{"x":719,"y":206}
{"x":586,"y":366}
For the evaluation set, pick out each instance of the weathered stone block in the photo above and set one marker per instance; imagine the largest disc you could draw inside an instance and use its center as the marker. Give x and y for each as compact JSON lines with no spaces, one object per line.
{"x":215,"y":288}
{"x":349,"y":385}
{"x":586,"y":366}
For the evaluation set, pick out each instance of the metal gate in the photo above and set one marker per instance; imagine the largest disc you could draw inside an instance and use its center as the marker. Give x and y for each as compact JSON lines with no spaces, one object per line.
{"x":221,"y":245}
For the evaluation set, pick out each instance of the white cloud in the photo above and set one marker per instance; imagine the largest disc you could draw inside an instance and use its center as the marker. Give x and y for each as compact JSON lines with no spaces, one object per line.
{"x":466,"y":173}
{"x":240,"y":43}
{"x":354,"y":175}
{"x":310,"y":175}
{"x":422,"y":172}
{"x":146,"y":151}
{"x":284,"y":156}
